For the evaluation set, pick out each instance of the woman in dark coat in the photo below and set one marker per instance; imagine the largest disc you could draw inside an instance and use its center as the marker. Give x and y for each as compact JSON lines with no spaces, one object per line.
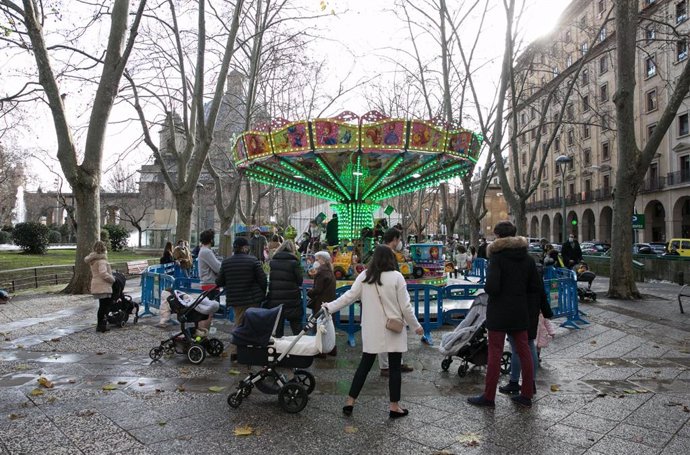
{"x":167,"y":257}
{"x":324,"y":284}
{"x":284,"y":285}
{"x":511,"y":278}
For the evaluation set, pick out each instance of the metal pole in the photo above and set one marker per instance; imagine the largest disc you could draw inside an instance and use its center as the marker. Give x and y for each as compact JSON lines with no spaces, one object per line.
{"x":563,"y":196}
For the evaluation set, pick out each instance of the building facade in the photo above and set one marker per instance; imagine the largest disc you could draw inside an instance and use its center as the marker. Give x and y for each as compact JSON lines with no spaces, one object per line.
{"x":581,"y":49}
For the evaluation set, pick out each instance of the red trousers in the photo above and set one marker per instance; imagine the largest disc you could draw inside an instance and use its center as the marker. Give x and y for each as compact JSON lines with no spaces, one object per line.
{"x":493,"y":370}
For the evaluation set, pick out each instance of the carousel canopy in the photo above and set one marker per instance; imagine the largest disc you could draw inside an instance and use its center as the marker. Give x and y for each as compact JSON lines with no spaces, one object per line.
{"x":355,"y":160}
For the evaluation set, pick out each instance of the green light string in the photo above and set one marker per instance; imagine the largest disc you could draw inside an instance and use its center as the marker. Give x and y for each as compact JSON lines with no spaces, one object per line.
{"x":418,"y":170}
{"x":423,"y":182}
{"x":333,"y":178}
{"x":396,"y":162}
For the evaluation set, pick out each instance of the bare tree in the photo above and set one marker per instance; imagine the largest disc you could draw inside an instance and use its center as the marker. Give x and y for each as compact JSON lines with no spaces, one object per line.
{"x":27,"y":32}
{"x":121,"y":180}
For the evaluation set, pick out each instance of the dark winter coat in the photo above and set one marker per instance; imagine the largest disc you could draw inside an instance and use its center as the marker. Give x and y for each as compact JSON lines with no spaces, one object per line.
{"x":324,"y":287}
{"x":510,"y":280}
{"x":244,"y":280}
{"x":167,"y":257}
{"x":481,"y":250}
{"x":284,"y":284}
{"x":572,"y":254}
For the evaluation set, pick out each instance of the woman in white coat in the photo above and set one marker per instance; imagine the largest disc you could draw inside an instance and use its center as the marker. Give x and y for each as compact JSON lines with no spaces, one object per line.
{"x":383,"y":293}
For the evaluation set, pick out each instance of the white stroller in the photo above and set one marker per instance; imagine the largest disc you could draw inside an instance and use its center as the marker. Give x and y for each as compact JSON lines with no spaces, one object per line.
{"x":469,"y":341}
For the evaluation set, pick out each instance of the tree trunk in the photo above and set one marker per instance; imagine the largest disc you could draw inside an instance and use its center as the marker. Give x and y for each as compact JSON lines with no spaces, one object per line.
{"x":622,"y":282}
{"x":139,"y":235}
{"x":88,"y":208}
{"x":519,"y":209}
{"x":185,"y":202}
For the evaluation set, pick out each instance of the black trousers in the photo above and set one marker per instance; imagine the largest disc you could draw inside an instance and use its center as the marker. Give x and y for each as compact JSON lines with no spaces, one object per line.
{"x":394,"y":375}
{"x":295,"y":325}
{"x":103,"y":308}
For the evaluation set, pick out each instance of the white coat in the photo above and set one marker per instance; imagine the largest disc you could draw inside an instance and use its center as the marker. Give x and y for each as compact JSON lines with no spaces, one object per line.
{"x":393,"y":290}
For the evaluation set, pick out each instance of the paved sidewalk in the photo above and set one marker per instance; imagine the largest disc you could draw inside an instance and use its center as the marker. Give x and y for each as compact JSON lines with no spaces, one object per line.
{"x":618,"y":385}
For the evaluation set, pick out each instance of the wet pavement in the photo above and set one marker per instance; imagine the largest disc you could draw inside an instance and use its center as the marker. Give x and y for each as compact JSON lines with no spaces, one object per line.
{"x":618,"y":385}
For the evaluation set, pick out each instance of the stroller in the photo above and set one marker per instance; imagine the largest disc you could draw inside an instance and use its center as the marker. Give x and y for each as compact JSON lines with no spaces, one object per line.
{"x":186,"y":341}
{"x":587,"y":276}
{"x":255,"y":346}
{"x":469,"y":341}
{"x":122,"y":305}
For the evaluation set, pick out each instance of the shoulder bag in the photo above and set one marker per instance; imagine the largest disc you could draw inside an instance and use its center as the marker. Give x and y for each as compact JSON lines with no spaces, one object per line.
{"x":393,"y":324}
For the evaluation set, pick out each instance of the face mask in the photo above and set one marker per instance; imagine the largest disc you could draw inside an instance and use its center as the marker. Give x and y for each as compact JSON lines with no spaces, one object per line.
{"x":571,"y":239}
{"x":256,"y":235}
{"x":399,"y":246}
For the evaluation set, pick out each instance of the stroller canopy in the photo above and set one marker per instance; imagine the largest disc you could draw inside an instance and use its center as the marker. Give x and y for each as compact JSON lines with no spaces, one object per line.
{"x":257,"y":327}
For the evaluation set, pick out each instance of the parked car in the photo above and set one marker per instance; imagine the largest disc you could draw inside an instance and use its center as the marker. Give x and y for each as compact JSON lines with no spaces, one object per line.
{"x":594,"y":248}
{"x":643,"y":248}
{"x":682,"y":246}
{"x":658,"y":247}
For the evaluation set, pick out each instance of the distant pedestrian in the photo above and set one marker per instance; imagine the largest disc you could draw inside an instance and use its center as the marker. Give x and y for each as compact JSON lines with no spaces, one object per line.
{"x":183,"y":256}
{"x":511,"y":277}
{"x":284,"y":287}
{"x":209,"y":268}
{"x":167,"y":257}
{"x":571,"y":252}
{"x":102,"y":280}
{"x":258,"y":246}
{"x":481,"y":249}
{"x":383,"y":293}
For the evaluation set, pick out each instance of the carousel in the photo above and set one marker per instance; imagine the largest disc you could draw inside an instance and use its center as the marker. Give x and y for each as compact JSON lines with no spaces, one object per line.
{"x":357,"y":163}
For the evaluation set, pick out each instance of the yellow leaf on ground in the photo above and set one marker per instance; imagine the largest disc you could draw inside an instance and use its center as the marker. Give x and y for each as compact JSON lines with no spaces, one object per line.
{"x":244,"y":431}
{"x":350,"y":429}
{"x":555,"y":388}
{"x":45,"y":382}
{"x":109,"y":387}
{"x":16,"y":416}
{"x":233,"y":372}
{"x":216,"y":388}
{"x":469,"y":439}
{"x":36,"y":392}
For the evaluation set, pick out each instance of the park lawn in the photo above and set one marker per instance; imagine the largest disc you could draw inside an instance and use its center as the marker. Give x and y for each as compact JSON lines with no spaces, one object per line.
{"x":16,"y":259}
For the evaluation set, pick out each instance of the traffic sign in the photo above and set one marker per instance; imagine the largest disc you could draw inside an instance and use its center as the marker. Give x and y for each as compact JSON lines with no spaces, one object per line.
{"x":638,"y":221}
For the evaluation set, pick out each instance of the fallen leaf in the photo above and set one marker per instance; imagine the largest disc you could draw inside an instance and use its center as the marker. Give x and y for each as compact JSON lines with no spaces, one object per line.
{"x":673,"y":403}
{"x":233,"y":372}
{"x":141,"y":384}
{"x":216,"y":388}
{"x":36,"y":392}
{"x":100,"y":353}
{"x":638,"y":439}
{"x":44,"y":382}
{"x":224,"y":354}
{"x":109,"y":387}
{"x":20,"y":346}
{"x":55,"y":340}
{"x":469,"y":439}
{"x":244,"y":431}
{"x":685,"y":409}
{"x":180,"y":388}
{"x":184,"y":437}
{"x":630,"y":391}
{"x":122,"y":382}
{"x":16,"y":416}
{"x":555,"y":388}
{"x":162,"y":423}
{"x":85,"y":413}
{"x":160,"y":390}
{"x":593,"y":342}
{"x":350,"y":429}
{"x":601,"y":395}
{"x":51,"y":399}
{"x":184,"y":371}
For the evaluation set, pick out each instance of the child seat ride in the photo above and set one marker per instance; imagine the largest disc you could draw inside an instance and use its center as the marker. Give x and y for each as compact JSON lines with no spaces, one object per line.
{"x":188,"y":341}
{"x":256,"y":346}
{"x":122,"y":305}
{"x":469,"y":341}
{"x":587,"y":276}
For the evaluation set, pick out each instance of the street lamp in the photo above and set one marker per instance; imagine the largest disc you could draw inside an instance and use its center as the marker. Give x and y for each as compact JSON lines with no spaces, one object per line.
{"x":562,"y":161}
{"x":199,"y":187}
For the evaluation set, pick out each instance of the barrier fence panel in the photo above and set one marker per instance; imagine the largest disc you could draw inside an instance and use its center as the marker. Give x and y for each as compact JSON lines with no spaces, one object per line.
{"x":428,"y":293}
{"x":478,"y":269}
{"x":457,"y":300}
{"x":560,"y":285}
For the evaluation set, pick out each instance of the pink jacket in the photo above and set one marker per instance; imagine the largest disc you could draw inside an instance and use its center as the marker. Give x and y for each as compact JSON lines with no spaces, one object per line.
{"x":102,"y":278}
{"x":545,"y":332}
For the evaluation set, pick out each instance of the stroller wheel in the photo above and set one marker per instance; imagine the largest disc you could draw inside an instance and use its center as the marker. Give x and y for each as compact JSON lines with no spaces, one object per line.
{"x":156,"y":353}
{"x":196,"y":354}
{"x":463,"y":369}
{"x":122,"y":323}
{"x":234,"y":400}
{"x":306,"y":379}
{"x":292,"y":398}
{"x":245,"y":391}
{"x":445,"y":363}
{"x":505,"y":362}
{"x":214,"y":347}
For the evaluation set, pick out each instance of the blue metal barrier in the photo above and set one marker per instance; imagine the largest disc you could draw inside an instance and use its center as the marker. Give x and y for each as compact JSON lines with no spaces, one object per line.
{"x":478,"y":269}
{"x":459,"y":292}
{"x":152,"y":285}
{"x":560,"y":284}
{"x":354,"y":317}
{"x":425,"y":317}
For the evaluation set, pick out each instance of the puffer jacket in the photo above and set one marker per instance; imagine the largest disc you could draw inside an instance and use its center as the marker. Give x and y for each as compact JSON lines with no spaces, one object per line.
{"x":513,"y":285}
{"x":324,"y":287}
{"x":244,"y":280}
{"x":102,"y":278}
{"x":284,"y":284}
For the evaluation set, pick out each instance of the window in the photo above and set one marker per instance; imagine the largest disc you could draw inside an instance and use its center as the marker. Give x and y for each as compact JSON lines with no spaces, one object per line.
{"x":587,"y":157}
{"x":557,"y":143}
{"x":603,"y":64}
{"x":558,"y":192}
{"x":605,"y":151}
{"x":683,"y":125}
{"x":571,"y":164}
{"x":543,"y":81}
{"x":523,"y":119}
{"x":651,"y":100}
{"x":568,"y":37}
{"x":604,"y":93}
{"x":533,"y":133}
{"x":586,"y":131}
{"x":601,"y":6}
{"x":650,"y":34}
{"x":650,"y":130}
{"x":544,"y":193}
{"x":584,"y":47}
{"x":681,"y":50}
{"x":588,"y":187}
{"x":571,"y":189}
{"x":650,"y":66}
{"x":542,"y":59}
{"x":570,"y":138}
{"x":585,"y":103}
{"x":607,"y":182}
{"x":545,"y":174}
{"x":685,"y":167}
{"x":681,"y":11}
{"x":523,"y":159}
{"x":555,"y":72}
{"x":585,"y":76}
{"x":523,"y":139}
{"x":568,"y":60}
{"x":605,"y":122}
{"x":569,"y":112}
{"x":544,"y":129}
{"x":533,"y":114}
{"x":583,"y":21}
{"x":602,"y":34}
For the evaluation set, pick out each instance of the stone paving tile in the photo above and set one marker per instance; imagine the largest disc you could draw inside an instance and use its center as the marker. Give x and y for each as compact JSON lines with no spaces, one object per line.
{"x":661,"y":413}
{"x":677,"y":446}
{"x":432,"y":436}
{"x":574,"y":436}
{"x":641,"y":435}
{"x":548,"y":446}
{"x":22,"y":437}
{"x":590,"y":423}
{"x":616,"y":446}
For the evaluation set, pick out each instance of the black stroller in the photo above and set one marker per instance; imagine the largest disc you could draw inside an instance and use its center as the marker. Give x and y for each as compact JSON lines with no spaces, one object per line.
{"x":185,"y":341}
{"x":122,"y":305}
{"x":469,"y":341}
{"x":586,"y":276}
{"x":255,"y":346}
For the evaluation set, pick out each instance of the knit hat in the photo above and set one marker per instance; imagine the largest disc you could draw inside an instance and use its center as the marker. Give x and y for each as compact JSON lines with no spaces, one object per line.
{"x":323,"y":255}
{"x":240,"y":242}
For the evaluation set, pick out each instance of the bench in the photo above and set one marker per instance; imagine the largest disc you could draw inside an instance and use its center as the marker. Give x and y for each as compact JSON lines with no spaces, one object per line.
{"x":684,"y":292}
{"x":137,"y":267}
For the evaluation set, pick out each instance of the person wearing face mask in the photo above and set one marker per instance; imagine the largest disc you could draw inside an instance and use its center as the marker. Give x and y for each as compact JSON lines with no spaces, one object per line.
{"x":209,"y":268}
{"x":258,"y":246}
{"x":392,"y":238}
{"x":323,"y":289}
{"x":571,"y":252}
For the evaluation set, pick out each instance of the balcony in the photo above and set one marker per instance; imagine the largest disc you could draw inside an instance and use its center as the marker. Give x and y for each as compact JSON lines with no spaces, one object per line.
{"x":678,"y":178}
{"x":650,"y":185}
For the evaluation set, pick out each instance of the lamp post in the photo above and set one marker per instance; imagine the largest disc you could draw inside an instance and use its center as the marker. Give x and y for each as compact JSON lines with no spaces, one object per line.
{"x":199,"y":187}
{"x":562,"y":161}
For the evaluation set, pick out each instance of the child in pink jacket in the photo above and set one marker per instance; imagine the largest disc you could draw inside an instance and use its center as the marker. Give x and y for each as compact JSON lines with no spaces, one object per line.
{"x":545,"y":332}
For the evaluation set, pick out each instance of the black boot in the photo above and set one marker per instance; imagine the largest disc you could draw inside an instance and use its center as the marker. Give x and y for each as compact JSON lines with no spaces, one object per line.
{"x":102,"y":326}
{"x":510,"y":389}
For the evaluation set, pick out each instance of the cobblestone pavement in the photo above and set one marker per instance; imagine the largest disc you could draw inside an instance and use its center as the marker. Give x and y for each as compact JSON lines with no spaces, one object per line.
{"x":618,"y":385}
